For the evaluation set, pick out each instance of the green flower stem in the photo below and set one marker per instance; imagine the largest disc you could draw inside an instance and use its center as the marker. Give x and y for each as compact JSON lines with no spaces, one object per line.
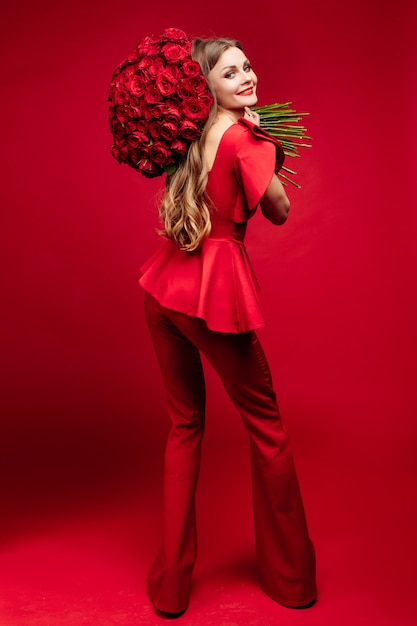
{"x":280,"y":121}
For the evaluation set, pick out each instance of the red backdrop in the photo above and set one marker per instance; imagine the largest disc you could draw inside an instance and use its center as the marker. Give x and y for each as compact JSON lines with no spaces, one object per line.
{"x":83,"y":416}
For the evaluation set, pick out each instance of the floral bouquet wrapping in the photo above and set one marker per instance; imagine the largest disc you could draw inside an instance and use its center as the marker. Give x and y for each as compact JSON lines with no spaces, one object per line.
{"x":159,"y":103}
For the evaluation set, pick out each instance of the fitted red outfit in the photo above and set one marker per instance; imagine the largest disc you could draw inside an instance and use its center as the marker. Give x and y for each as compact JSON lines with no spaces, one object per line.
{"x":207,"y":302}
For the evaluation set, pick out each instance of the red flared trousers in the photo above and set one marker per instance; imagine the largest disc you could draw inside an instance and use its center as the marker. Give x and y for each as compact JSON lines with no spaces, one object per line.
{"x":284,"y":550}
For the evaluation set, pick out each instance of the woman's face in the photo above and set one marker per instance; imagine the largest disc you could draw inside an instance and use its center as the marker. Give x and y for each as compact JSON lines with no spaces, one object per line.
{"x":233,"y":81}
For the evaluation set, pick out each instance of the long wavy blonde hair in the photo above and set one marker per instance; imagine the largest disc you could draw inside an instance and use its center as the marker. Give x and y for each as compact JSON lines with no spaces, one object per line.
{"x":184,"y":208}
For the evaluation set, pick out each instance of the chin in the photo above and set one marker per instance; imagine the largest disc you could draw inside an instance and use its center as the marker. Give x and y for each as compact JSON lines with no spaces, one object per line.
{"x":251,"y":101}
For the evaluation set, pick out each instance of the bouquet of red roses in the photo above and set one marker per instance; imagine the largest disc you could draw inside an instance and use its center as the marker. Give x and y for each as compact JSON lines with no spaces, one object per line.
{"x":159,"y":103}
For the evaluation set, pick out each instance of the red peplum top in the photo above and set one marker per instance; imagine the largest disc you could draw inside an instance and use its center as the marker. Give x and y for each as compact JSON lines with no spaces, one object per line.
{"x":216,"y":282}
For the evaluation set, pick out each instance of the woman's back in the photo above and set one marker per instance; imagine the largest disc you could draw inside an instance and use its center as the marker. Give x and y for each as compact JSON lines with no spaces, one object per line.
{"x":213,"y":139}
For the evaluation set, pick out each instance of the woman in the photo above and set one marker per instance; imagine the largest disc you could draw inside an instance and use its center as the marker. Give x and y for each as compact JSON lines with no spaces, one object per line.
{"x":201,"y":296}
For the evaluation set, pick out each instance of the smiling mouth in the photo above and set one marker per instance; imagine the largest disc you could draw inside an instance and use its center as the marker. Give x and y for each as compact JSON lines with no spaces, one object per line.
{"x":246,"y":92}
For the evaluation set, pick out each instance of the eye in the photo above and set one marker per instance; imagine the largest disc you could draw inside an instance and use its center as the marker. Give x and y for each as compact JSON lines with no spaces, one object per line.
{"x":248,"y":67}
{"x":229,"y":75}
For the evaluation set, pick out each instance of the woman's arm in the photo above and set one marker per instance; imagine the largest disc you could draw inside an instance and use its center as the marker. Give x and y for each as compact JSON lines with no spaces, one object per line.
{"x":274,"y":203}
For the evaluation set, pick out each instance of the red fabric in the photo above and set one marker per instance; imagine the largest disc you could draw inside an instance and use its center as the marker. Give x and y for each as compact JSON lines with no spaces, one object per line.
{"x":216,"y":283}
{"x":285,"y":553}
{"x":254,"y":164}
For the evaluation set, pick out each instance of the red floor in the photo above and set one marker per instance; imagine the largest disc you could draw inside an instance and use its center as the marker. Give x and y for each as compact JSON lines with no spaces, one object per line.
{"x":82,"y":559}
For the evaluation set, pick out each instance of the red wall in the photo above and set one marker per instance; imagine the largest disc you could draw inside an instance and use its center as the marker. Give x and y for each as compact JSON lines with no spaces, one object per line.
{"x":82,"y":398}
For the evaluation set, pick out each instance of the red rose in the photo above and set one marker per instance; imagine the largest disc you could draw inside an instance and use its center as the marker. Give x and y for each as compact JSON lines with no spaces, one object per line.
{"x":158,"y":110}
{"x":166,"y":83}
{"x":195,"y":109}
{"x":120,"y":152}
{"x":160,"y":154}
{"x":144,"y":63}
{"x":133,"y":156}
{"x":125,"y":76}
{"x":207,"y":98}
{"x":198,"y":84}
{"x":137,"y":85}
{"x":173,"y":115}
{"x":130,"y":127}
{"x":121,"y":96}
{"x":147,"y":113}
{"x":174,"y":52}
{"x":189,"y":130}
{"x":132,"y":141}
{"x":156,"y":67}
{"x":174,"y":70}
{"x":136,"y":112}
{"x":122,"y":114}
{"x":155,"y":130}
{"x":169,"y":131}
{"x":142,"y":127}
{"x":116,"y":81}
{"x":191,"y":68}
{"x":148,"y":169}
{"x":117,"y":129}
{"x":152,"y":94}
{"x":174,"y":34}
{"x":136,"y":139}
{"x":135,"y":101}
{"x":136,"y":127}
{"x":143,"y":151}
{"x":180,"y":147}
{"x":185,"y":90}
{"x":148,"y":47}
{"x":173,"y":101}
{"x":143,"y":137}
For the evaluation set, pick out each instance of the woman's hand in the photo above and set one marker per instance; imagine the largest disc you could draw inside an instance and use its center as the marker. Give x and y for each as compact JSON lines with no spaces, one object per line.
{"x":251,"y":116}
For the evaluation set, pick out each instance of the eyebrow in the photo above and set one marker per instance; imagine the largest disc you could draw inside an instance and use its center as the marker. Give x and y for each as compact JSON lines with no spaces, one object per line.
{"x":234,"y":67}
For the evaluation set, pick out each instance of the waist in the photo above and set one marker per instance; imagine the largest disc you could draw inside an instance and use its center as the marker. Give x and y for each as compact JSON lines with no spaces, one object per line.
{"x":230,"y":232}
{"x":223,"y":240}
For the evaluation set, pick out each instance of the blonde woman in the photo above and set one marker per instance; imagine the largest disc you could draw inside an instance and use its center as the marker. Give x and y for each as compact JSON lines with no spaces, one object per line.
{"x":202,"y":298}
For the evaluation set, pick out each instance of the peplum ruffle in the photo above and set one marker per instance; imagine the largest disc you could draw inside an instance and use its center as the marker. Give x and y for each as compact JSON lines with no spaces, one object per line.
{"x":216,"y":284}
